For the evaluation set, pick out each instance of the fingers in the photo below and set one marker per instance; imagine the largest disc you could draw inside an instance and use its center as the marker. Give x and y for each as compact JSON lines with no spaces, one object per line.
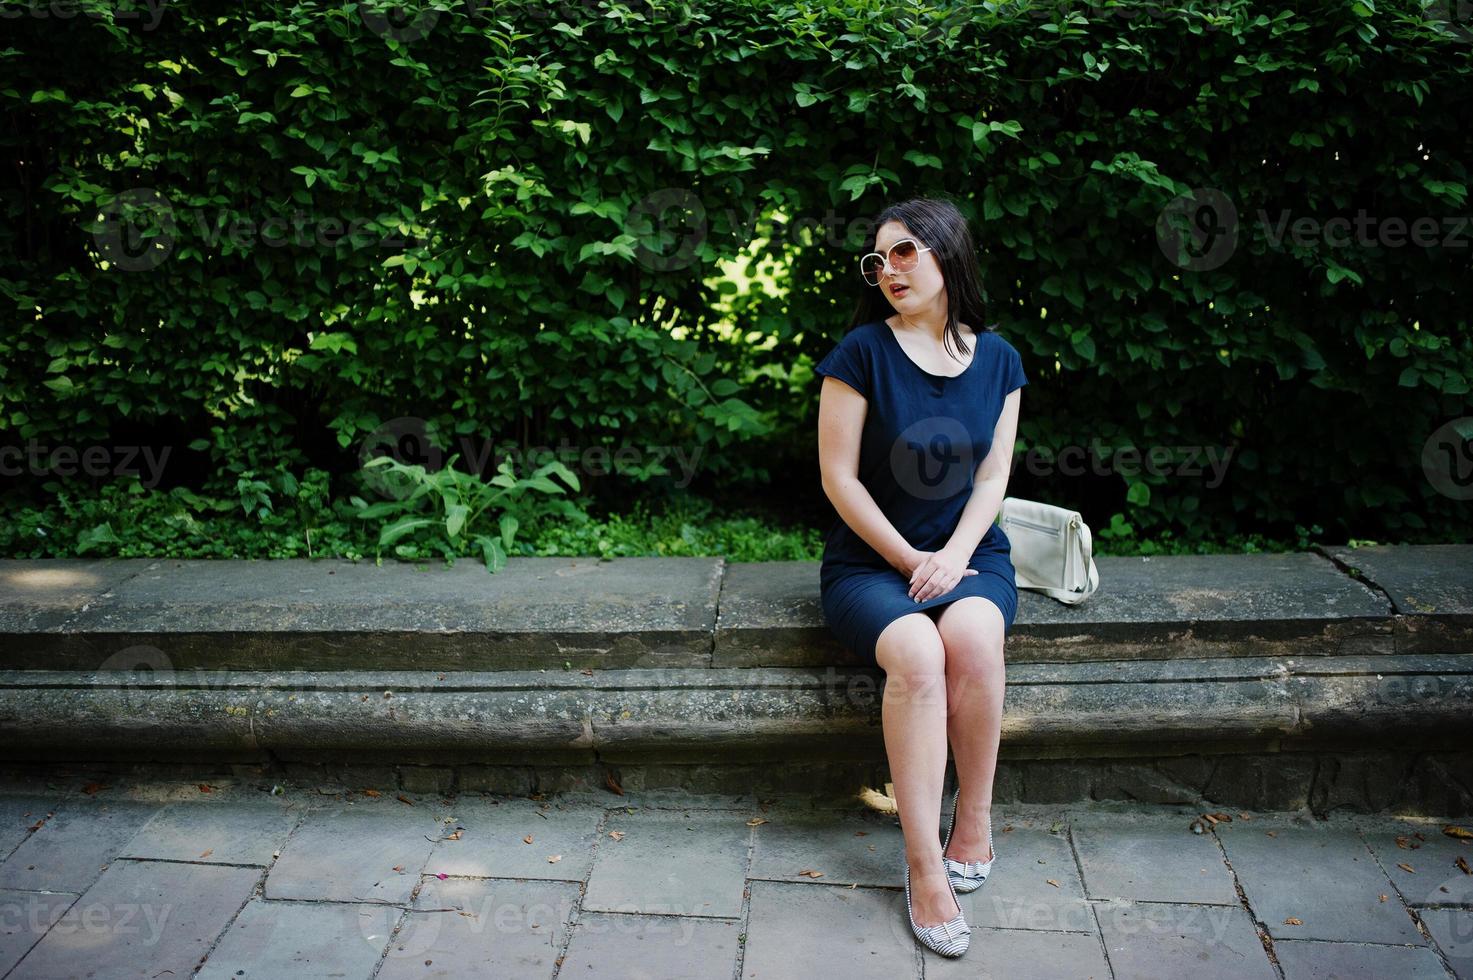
{"x":934,"y":587}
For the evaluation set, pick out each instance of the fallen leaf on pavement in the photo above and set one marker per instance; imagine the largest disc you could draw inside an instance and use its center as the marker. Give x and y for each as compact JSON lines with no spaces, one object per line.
{"x":755,"y":821}
{"x":810,"y":873}
{"x":1291,"y":921}
{"x":404,"y":799}
{"x":1462,"y":833}
{"x":617,"y":834}
{"x":1406,"y":867}
{"x":370,"y":792}
{"x":205,"y":855}
{"x":1052,"y":882}
{"x":1462,"y":864}
{"x":527,"y":839}
{"x":554,"y":859}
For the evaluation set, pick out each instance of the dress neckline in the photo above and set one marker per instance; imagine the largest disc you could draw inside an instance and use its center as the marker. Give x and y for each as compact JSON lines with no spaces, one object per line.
{"x":900,"y":349}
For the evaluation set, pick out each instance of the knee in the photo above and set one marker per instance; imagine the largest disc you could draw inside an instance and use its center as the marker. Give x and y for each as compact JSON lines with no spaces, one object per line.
{"x":911,"y":654}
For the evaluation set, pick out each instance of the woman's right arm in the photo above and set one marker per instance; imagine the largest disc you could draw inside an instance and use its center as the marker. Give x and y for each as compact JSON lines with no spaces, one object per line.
{"x":841,"y":412}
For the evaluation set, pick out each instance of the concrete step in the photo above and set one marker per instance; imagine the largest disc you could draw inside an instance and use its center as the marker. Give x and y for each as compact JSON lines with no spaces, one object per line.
{"x":576,"y":665}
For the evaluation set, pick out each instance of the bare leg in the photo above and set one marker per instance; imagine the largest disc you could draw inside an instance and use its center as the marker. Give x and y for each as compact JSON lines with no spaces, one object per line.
{"x":914,"y":716}
{"x":972,"y":632}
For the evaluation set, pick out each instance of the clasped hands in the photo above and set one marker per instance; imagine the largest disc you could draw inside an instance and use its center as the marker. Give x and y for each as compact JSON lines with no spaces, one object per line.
{"x":933,"y":573}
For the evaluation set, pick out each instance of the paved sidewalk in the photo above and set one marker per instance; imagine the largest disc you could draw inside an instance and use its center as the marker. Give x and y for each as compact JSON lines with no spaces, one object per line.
{"x":128,"y":878}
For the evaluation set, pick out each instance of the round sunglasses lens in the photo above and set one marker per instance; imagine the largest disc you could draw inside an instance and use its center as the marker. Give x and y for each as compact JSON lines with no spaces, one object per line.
{"x":903,"y":256}
{"x":871,"y":267}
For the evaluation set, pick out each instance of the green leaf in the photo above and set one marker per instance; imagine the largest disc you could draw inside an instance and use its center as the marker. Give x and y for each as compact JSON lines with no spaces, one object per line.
{"x":399,"y":528}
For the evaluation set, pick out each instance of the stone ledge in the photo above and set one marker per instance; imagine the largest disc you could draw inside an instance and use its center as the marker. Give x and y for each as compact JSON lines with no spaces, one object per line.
{"x":724,"y":715}
{"x":640,"y":613}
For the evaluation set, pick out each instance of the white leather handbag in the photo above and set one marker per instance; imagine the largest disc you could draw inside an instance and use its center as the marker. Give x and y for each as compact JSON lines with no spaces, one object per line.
{"x":1051,"y":549}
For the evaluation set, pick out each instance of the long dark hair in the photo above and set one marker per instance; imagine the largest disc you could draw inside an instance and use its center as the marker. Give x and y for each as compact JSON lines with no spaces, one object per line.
{"x":939,"y":224}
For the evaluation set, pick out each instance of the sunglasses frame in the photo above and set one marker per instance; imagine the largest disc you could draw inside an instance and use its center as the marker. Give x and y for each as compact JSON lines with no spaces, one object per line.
{"x":885,"y":259}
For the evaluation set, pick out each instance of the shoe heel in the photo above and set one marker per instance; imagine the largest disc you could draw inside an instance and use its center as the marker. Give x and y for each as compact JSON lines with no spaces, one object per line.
{"x":966,"y":877}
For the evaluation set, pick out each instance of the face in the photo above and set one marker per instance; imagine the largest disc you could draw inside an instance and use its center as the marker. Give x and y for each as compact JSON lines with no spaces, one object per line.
{"x":925,"y":288}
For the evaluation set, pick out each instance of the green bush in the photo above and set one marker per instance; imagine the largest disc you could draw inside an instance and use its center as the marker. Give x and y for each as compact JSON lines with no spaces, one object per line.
{"x":635,"y":225}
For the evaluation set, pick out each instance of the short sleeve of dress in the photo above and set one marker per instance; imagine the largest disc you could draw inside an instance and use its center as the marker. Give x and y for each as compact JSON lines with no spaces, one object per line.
{"x":1015,"y":376}
{"x":847,"y":363}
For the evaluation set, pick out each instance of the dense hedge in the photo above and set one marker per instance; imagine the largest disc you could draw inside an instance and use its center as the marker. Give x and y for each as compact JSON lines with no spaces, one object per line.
{"x":540,"y":196}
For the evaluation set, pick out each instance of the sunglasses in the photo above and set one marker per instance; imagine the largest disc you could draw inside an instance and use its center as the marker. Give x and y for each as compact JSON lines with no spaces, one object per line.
{"x":901,"y":257}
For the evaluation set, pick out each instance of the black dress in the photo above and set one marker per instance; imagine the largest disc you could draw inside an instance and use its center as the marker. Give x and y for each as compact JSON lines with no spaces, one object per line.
{"x":924,"y":437}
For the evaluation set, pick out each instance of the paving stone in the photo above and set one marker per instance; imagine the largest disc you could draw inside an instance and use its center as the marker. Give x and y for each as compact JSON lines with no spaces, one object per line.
{"x":302,"y":940}
{"x":1151,"y":857}
{"x":1018,"y":893}
{"x":24,"y":919}
{"x":1326,"y":877}
{"x":68,"y":852}
{"x":814,"y":930}
{"x":848,"y":848}
{"x":476,"y":928}
{"x":492,"y":844}
{"x":246,"y":832}
{"x":141,"y":919}
{"x":1169,"y":941}
{"x":1024,"y":954}
{"x":19,"y":813}
{"x":349,"y":852}
{"x":1435,"y":878}
{"x":1306,"y":960}
{"x":636,"y":947}
{"x":671,"y":863}
{"x":1452,"y":931}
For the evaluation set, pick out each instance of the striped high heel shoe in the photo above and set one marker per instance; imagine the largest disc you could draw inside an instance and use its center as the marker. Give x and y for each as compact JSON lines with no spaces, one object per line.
{"x":950,"y":938}
{"x":966,"y":876}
